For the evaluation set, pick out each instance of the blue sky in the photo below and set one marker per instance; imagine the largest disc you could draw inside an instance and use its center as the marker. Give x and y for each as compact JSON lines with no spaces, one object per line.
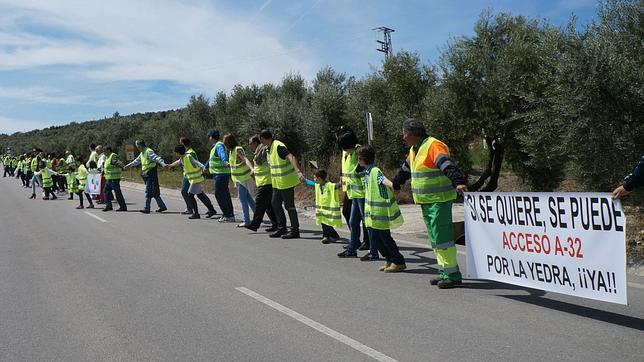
{"x":64,"y":61}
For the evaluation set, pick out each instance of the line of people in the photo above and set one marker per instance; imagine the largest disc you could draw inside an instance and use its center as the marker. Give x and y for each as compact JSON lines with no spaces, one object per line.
{"x":266,"y":180}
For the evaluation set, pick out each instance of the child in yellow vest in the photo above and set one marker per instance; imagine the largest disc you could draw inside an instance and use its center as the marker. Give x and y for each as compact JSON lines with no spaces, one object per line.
{"x":381,"y":211}
{"x":327,"y":206}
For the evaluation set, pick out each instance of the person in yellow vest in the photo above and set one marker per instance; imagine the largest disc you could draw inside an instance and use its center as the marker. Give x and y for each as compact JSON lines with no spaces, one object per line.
{"x":46,"y":173}
{"x":26,"y":170}
{"x":81,"y":180}
{"x":148,"y":161}
{"x":435,"y":181}
{"x":285,"y":175}
{"x":71,"y":182}
{"x":381,"y":213}
{"x":262,"y":172}
{"x":112,"y":170}
{"x":193,"y":169}
{"x":353,"y":186}
{"x":240,"y":173}
{"x":218,"y":166}
{"x":327,"y":206}
{"x":36,"y":180}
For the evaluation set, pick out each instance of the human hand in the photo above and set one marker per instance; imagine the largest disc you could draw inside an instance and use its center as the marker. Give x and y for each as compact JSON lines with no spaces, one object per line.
{"x":301,"y":176}
{"x":620,"y":192}
{"x":461,"y":189}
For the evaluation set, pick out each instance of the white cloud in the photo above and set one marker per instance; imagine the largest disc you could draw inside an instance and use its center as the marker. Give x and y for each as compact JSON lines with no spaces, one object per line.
{"x":39,"y":95}
{"x":198,"y":44}
{"x":10,"y":125}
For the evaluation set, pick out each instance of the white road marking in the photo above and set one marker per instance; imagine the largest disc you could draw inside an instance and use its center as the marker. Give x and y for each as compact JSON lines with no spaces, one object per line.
{"x":95,"y":217}
{"x":318,"y":326}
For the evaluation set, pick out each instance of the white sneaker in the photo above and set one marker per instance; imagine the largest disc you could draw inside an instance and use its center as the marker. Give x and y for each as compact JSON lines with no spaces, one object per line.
{"x":226,"y":219}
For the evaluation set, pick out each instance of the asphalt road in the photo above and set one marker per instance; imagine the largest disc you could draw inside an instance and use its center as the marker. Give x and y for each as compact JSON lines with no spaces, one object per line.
{"x":161,"y":287}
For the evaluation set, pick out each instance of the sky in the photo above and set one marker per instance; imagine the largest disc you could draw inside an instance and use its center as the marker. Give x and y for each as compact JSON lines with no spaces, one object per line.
{"x":76,"y":60}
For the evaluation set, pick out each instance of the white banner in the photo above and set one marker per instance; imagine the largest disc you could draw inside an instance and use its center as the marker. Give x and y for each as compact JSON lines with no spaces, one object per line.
{"x":570,"y":243}
{"x":93,"y":185}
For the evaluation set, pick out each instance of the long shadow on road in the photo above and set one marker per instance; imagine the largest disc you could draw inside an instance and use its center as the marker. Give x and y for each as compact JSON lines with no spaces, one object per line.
{"x":582,"y":311}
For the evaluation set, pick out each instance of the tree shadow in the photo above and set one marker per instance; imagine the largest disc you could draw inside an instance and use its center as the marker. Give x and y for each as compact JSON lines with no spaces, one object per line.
{"x":582,"y":311}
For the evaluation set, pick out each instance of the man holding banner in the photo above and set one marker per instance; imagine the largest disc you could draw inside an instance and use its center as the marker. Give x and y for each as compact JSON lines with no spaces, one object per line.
{"x":434,"y":183}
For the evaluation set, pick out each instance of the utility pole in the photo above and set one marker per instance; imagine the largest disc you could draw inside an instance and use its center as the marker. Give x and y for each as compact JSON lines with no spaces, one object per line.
{"x":385,"y":44}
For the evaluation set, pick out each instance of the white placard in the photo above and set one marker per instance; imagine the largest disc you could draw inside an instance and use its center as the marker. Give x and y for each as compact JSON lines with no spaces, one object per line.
{"x":93,"y":185}
{"x":570,"y":243}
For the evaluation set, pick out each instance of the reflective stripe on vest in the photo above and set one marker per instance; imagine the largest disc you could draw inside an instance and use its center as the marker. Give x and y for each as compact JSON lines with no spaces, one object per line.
{"x":111,"y":172}
{"x":327,"y":205}
{"x":262,"y":175}
{"x":239,"y":172}
{"x":146,"y":164}
{"x":428,"y":185}
{"x":215,"y":164}
{"x":194,"y":174}
{"x":283,"y":174}
{"x":380,"y":213}
{"x":353,"y":181}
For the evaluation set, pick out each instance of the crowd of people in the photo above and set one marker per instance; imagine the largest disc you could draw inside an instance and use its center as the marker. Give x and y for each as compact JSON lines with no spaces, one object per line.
{"x":265,"y":180}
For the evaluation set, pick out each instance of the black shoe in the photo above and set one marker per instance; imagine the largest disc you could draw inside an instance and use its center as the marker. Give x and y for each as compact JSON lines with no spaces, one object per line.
{"x":271,"y":229}
{"x":293,"y":234}
{"x":251,"y":228}
{"x":122,"y":209}
{"x":143,"y":211}
{"x":70,"y":198}
{"x":54,"y":197}
{"x":186,"y":212}
{"x":447,"y":284}
{"x":364,"y":246}
{"x":369,"y":257}
{"x":210,"y":214}
{"x":435,"y":280}
{"x":46,"y":198}
{"x":194,"y":216}
{"x":162,"y":209}
{"x":107,"y":209}
{"x":33,"y":196}
{"x":278,"y":233}
{"x":348,"y":254}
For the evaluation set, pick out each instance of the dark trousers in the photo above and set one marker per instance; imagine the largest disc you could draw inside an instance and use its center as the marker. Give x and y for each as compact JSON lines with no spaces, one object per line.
{"x":346,"y":208}
{"x":89,"y":198}
{"x":222,"y":195}
{"x":203,"y":198}
{"x":329,"y":232}
{"x":287,"y":198}
{"x":386,"y":245}
{"x":263,"y":206}
{"x":185,"y":185}
{"x":27,"y":178}
{"x":49,"y":193}
{"x":114,"y":185}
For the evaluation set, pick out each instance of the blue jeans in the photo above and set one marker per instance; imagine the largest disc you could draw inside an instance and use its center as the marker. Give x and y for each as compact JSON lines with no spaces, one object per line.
{"x":185,"y":184}
{"x":386,"y":245}
{"x":357,"y":217}
{"x":152,"y":189}
{"x":35,"y":181}
{"x":114,"y":185}
{"x":246,"y":200}
{"x":222,"y":195}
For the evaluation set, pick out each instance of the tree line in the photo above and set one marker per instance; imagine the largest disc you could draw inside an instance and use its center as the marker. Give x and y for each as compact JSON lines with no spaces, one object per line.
{"x":549,"y":102}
